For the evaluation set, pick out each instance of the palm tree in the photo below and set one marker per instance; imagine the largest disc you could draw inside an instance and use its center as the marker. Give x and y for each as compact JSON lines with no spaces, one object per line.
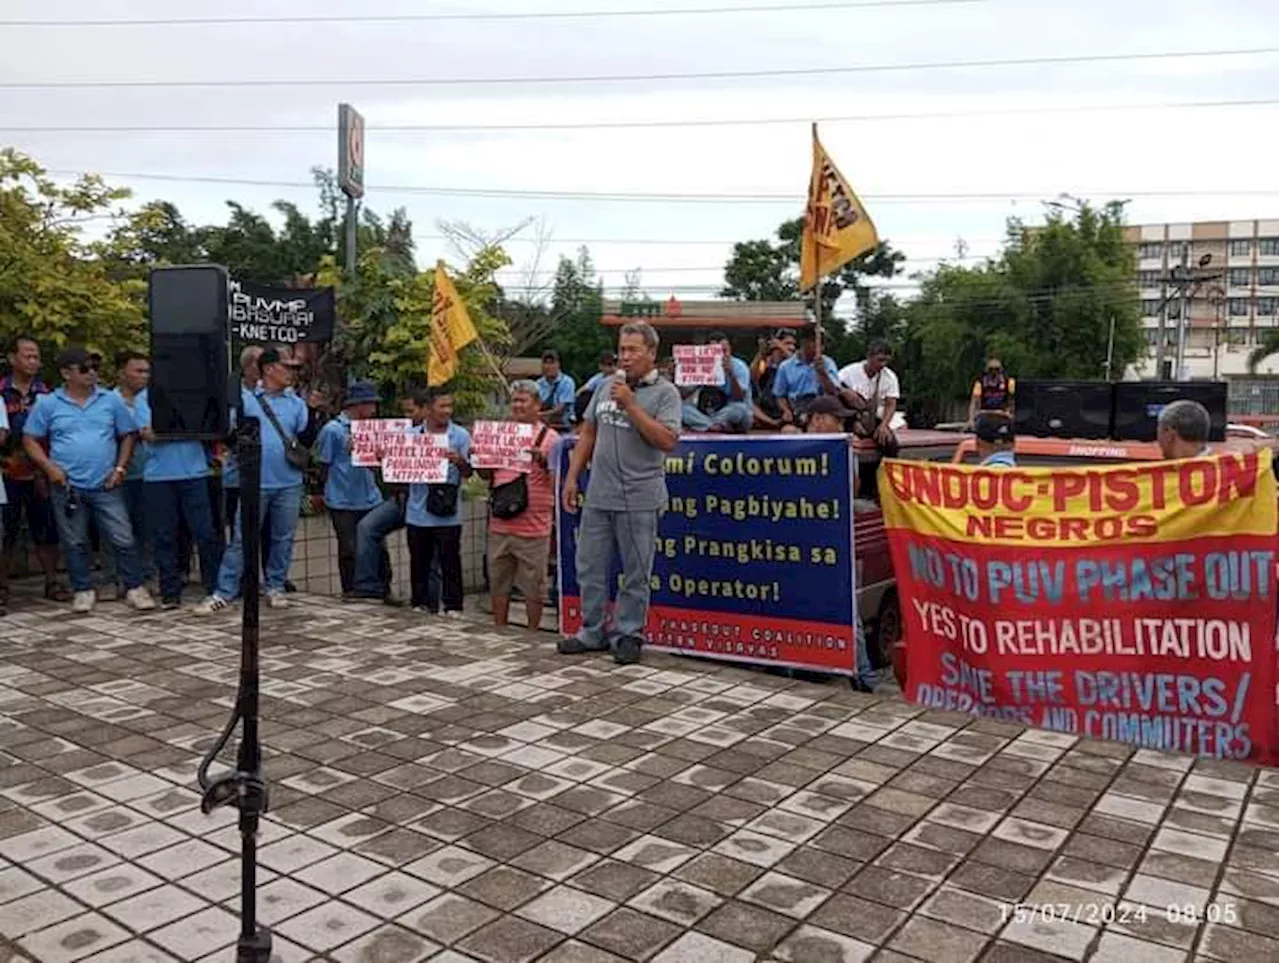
{"x":1267,"y":346}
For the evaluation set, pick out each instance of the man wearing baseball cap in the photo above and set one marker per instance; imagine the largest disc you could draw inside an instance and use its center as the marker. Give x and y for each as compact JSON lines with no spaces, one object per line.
{"x":350,"y":491}
{"x":91,"y":435}
{"x":994,"y":433}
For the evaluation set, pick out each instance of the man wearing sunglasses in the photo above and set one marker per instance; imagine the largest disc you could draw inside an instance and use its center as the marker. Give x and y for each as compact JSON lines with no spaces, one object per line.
{"x":91,"y":434}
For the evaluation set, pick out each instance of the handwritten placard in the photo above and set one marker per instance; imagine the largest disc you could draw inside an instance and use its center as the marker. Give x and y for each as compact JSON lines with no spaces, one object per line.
{"x":417,"y":460}
{"x":369,"y":436}
{"x":502,"y":445}
{"x":698,"y":364}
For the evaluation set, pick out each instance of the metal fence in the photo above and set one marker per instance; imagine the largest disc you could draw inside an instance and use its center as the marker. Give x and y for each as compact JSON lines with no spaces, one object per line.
{"x":1253,"y":396}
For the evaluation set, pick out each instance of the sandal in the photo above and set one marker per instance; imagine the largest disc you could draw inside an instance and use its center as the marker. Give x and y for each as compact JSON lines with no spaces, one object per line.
{"x":56,"y":592}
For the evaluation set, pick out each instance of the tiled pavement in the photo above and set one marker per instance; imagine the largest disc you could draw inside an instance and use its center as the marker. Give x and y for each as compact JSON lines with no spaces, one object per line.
{"x":442,"y":791}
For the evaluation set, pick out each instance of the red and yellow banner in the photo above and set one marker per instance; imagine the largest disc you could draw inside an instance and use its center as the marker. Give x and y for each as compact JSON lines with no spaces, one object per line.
{"x":1134,"y":603}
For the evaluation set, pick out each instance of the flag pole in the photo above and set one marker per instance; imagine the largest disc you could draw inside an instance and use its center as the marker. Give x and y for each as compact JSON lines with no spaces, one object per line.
{"x":493,"y":363}
{"x":817,"y":284}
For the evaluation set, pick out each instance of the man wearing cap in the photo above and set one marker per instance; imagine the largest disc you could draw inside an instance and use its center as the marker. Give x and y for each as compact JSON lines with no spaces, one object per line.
{"x":827,"y":416}
{"x":993,"y":391}
{"x":175,"y":484}
{"x":91,"y":435}
{"x":994,"y":442}
{"x":280,"y":484}
{"x":350,"y":491}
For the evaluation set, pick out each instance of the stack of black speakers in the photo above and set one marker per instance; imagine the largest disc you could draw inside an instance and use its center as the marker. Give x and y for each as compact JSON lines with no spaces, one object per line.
{"x":1125,"y":411}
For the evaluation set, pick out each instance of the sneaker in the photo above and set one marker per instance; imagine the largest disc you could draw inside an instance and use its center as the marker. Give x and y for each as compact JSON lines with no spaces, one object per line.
{"x":454,"y":614}
{"x":140,"y":599}
{"x":290,"y":587}
{"x":277,"y":600}
{"x":422,"y":610}
{"x":627,"y":650}
{"x":83,"y":602}
{"x":211,"y":605}
{"x":170,"y":604}
{"x":858,"y":685}
{"x":572,"y":645}
{"x":57,"y":592}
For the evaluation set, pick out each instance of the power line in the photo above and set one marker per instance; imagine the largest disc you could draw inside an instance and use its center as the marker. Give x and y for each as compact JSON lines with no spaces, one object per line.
{"x":790,"y":198}
{"x":328,"y":129}
{"x":628,"y":78}
{"x":470,"y":17}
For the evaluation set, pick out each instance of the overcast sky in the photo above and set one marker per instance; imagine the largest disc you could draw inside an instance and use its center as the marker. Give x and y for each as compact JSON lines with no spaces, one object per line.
{"x":1019,"y":157}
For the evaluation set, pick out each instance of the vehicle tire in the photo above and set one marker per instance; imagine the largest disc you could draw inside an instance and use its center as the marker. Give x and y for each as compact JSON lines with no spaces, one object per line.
{"x":889,"y":648}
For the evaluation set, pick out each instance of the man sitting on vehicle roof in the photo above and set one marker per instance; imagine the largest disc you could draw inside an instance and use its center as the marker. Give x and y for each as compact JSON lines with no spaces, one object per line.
{"x":723,"y":408}
{"x":770,"y":354}
{"x":803,"y":377}
{"x":994,"y":441}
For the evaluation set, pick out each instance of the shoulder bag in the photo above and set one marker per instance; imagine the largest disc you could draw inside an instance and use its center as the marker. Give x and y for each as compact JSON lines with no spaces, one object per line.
{"x":510,"y":499}
{"x":294,"y":451}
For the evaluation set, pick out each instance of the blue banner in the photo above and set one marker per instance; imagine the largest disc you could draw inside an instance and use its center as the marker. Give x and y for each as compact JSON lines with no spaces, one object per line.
{"x":754,"y":559}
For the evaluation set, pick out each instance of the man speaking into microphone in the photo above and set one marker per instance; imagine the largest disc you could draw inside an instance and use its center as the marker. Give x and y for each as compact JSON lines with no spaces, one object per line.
{"x":631,"y":422}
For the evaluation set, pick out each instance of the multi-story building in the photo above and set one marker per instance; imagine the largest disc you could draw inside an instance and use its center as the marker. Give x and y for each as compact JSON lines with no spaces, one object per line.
{"x":1227,"y":309}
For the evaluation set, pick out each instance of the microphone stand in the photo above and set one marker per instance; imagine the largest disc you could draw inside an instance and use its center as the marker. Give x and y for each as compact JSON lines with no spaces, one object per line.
{"x":244,"y":787}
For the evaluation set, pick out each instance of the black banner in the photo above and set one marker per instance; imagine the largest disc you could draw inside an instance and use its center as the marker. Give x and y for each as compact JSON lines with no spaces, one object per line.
{"x":286,"y":316}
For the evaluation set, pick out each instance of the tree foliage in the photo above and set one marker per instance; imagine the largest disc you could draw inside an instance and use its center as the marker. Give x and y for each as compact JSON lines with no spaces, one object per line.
{"x":54,"y":285}
{"x":769,"y":270}
{"x":1044,"y":306}
{"x":576,"y":306}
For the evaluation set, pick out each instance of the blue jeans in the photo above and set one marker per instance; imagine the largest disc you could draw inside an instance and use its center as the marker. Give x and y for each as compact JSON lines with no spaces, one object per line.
{"x":111,"y":514}
{"x":736,"y":416}
{"x":635,"y":534}
{"x":371,"y":578}
{"x":169,"y":503}
{"x":135,"y":504}
{"x":864,"y":670}
{"x":281,"y":506}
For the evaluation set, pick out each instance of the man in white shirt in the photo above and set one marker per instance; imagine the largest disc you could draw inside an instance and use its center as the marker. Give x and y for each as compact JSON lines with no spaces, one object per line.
{"x":871,"y":387}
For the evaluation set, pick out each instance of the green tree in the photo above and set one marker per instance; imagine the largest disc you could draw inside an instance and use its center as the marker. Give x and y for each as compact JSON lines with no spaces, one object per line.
{"x":54,"y":285}
{"x":1044,"y":306}
{"x":577,"y":304}
{"x":1268,"y":345}
{"x":769,"y":270}
{"x":387,"y":314}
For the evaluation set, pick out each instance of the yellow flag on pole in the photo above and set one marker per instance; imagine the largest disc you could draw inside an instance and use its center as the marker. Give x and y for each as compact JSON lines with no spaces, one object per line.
{"x":836,"y":226}
{"x":451,"y":330}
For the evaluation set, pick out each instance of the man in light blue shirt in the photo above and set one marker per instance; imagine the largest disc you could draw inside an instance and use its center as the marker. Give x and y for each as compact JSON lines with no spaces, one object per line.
{"x":608,"y":365}
{"x":281,"y":485}
{"x":350,"y":491}
{"x":994,"y":440}
{"x":134,"y":371}
{"x":91,"y":435}
{"x":433,"y":516}
{"x":556,"y":390}
{"x":176,"y":490}
{"x":802,"y":377}
{"x":736,"y":412}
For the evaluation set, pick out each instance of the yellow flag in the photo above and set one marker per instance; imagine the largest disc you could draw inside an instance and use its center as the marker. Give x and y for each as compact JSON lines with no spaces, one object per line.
{"x":451,"y":330}
{"x":836,"y":226}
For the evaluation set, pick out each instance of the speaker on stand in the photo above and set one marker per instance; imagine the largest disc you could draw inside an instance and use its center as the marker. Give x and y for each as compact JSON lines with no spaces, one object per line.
{"x":190,"y":385}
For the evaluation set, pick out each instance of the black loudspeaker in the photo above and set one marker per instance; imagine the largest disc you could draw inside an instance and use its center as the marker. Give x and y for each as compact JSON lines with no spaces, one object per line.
{"x":190,"y":361}
{"x":1063,"y":409}
{"x":1139,"y":403}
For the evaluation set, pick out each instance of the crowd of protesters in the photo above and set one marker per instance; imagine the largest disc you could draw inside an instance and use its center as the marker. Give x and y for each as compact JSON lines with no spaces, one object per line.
{"x":84,"y":461}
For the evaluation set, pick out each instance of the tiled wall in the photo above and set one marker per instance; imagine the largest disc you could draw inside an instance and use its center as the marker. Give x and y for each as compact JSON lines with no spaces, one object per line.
{"x":315,"y":553}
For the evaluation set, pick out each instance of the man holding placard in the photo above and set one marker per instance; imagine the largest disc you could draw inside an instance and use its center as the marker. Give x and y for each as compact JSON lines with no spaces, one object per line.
{"x":433,"y":515}
{"x":722,"y":401}
{"x":516,"y":456}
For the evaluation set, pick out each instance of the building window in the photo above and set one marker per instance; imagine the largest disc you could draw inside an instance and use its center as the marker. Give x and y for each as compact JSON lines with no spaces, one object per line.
{"x":1269,"y":246}
{"x":1177,"y":251}
{"x":1150,"y":307}
{"x":1267,"y":307}
{"x":1268,"y":277}
{"x":1150,"y":251}
{"x":1173,"y":310}
{"x":1238,"y":307}
{"x":1240,"y":248}
{"x":1237,"y":336}
{"x":1238,"y":277}
{"x":1150,"y":279}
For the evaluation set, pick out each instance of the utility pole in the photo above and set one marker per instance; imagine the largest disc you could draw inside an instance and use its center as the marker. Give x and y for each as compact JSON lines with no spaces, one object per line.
{"x":1180,"y":357}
